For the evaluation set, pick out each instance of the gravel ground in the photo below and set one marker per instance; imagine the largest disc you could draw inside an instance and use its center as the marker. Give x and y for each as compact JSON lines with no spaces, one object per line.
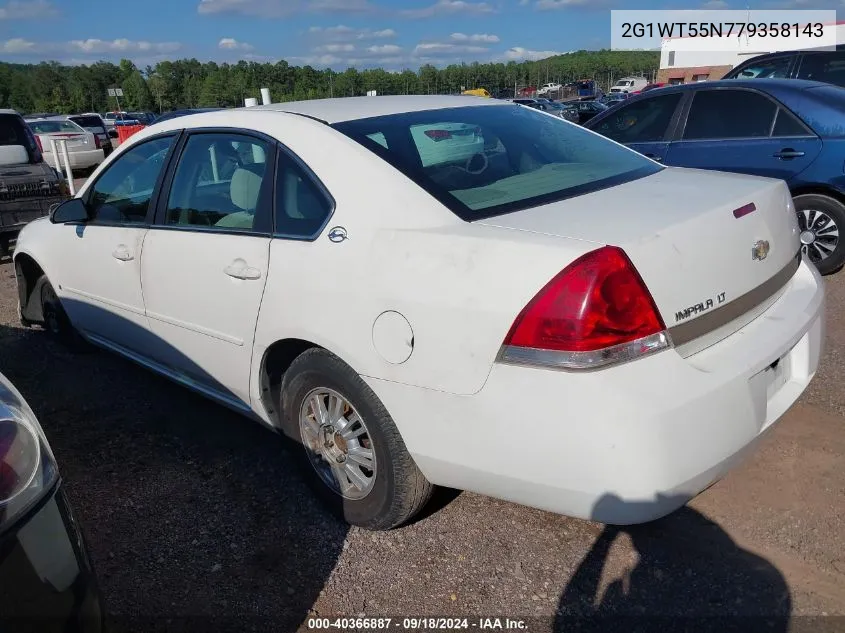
{"x":192,"y":511}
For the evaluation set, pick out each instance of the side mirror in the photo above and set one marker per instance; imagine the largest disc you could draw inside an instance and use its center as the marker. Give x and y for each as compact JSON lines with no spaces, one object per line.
{"x":73,"y":210}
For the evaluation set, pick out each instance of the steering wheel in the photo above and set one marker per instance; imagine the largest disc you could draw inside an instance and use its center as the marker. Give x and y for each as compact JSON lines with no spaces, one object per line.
{"x":477,"y":164}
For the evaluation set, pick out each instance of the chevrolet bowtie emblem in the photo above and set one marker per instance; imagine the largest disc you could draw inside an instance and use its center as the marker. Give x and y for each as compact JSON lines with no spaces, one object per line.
{"x":760,"y":250}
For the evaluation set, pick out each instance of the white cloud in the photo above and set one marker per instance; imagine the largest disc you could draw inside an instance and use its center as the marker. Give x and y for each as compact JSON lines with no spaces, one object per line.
{"x":518,"y":53}
{"x":479,"y":37}
{"x":27,"y":10}
{"x":122,"y":45}
{"x":231,"y":44}
{"x":335,"y":48}
{"x":384,"y":49}
{"x":341,"y":33}
{"x":439,"y":48}
{"x":316,"y":60}
{"x":545,"y":5}
{"x":282,"y":8}
{"x":16,"y":46}
{"x":449,"y":7}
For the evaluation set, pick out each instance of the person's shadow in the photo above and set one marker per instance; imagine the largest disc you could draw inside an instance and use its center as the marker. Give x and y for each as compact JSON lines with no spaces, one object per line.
{"x":690,"y":576}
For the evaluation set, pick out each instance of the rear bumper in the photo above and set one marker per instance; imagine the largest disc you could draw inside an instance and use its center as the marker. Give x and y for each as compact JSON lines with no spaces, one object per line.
{"x":46,"y":580}
{"x":623,"y":445}
{"x":80,"y":159}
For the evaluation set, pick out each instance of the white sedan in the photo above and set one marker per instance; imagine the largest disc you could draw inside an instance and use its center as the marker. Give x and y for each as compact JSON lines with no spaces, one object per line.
{"x":560,"y":321}
{"x":85,"y":148}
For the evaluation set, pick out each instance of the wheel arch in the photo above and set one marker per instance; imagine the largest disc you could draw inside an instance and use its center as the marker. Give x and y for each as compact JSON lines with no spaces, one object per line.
{"x":275,"y":362}
{"x":27,"y":272}
{"x":820,"y":189}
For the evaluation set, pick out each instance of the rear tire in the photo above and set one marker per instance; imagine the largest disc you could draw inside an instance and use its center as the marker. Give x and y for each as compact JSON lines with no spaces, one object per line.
{"x":822,"y":223}
{"x":56,"y":323}
{"x":391,"y":489}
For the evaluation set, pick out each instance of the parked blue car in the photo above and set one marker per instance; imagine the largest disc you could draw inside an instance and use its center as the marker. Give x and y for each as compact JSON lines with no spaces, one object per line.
{"x":780,"y":128}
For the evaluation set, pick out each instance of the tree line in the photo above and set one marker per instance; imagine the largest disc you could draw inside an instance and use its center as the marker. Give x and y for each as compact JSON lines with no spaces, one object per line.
{"x":169,"y":85}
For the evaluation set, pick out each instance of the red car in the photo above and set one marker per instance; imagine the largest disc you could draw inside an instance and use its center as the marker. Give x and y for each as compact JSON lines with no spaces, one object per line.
{"x":648,"y":87}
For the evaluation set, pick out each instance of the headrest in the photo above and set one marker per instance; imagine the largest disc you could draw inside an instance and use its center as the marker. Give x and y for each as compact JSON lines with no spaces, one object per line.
{"x":245,"y":187}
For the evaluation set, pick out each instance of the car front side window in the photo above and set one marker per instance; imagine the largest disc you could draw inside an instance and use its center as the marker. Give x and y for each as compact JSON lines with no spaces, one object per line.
{"x":122,"y":193}
{"x":219,"y":183}
{"x":643,"y":121}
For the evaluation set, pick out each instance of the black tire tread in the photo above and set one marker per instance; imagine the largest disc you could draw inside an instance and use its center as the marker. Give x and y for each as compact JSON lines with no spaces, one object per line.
{"x":412,"y":490}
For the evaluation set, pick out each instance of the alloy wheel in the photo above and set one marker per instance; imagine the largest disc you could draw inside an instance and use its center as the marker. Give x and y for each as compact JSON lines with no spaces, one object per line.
{"x":338,"y":443}
{"x":819,"y":234}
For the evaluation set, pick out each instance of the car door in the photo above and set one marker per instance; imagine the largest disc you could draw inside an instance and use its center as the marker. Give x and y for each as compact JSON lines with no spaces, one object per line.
{"x":644,"y":125}
{"x":205,"y":259}
{"x":743,"y":131}
{"x":100,"y":278}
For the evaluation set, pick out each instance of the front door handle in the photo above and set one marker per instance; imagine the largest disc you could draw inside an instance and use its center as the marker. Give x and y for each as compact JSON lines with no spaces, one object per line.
{"x":788,"y":153}
{"x":239,"y":270}
{"x":655,"y":158}
{"x":122,"y":253}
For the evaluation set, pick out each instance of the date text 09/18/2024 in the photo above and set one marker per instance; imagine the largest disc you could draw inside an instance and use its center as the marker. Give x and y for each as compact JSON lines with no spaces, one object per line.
{"x":419,"y":623}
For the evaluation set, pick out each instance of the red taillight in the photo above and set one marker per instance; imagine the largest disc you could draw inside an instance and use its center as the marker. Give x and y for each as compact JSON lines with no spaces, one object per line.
{"x":597,"y":302}
{"x":97,"y":142}
{"x":38,"y":142}
{"x":438,"y":135}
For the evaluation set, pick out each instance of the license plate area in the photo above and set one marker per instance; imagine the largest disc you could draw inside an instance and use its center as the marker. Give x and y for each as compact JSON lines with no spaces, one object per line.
{"x":775,"y":376}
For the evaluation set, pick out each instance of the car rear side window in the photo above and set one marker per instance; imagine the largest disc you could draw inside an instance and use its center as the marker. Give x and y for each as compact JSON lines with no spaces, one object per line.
{"x":643,"y":121}
{"x":302,"y":207}
{"x":726,"y":114}
{"x":826,"y":67}
{"x":219,"y":183}
{"x":787,"y":125}
{"x":482,"y":161}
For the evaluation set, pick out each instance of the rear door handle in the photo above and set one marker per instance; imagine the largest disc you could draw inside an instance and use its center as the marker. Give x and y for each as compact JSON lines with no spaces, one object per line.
{"x":655,"y":158}
{"x":122,"y":253}
{"x":239,"y":270}
{"x":788,"y":153}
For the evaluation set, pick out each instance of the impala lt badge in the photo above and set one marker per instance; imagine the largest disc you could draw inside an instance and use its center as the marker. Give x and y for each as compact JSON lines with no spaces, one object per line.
{"x":338,"y":234}
{"x":760,"y":250}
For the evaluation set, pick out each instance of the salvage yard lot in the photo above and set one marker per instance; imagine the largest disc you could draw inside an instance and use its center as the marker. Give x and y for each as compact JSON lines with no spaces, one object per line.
{"x":191,"y":510}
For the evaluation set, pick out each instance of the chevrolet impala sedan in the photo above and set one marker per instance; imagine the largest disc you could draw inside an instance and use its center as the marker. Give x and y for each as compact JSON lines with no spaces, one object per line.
{"x":551,"y":319}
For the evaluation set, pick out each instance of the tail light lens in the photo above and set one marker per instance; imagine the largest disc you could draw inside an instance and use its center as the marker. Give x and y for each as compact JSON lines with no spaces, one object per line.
{"x":27,"y":468}
{"x":595,"y":312}
{"x":38,"y":143}
{"x":97,"y":143}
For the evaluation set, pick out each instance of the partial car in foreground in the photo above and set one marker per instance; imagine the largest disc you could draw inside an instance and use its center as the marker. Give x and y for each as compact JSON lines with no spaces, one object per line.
{"x":787,"y":129}
{"x":548,"y":320}
{"x":47,"y":582}
{"x":28,"y":185}
{"x":85,"y":149}
{"x":827,"y":66}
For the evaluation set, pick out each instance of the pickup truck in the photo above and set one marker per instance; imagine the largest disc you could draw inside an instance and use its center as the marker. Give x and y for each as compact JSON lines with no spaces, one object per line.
{"x":29,"y":187}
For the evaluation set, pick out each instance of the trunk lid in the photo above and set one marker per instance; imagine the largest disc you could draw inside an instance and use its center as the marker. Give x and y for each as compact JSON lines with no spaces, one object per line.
{"x":679,"y":229}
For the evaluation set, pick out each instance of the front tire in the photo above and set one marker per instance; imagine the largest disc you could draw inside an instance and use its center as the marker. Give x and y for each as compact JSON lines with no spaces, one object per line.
{"x":821,"y":220}
{"x":350,"y":449}
{"x":55,"y":320}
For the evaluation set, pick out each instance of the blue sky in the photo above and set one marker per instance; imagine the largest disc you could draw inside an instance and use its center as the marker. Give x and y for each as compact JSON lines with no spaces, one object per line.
{"x":337,"y":33}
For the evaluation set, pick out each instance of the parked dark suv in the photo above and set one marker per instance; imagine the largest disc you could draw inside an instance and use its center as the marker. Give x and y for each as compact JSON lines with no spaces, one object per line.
{"x":28,"y":185}
{"x":827,"y":66}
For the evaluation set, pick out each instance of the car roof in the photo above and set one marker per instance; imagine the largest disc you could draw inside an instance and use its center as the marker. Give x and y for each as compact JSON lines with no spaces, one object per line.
{"x":760,"y":84}
{"x":355,"y":108}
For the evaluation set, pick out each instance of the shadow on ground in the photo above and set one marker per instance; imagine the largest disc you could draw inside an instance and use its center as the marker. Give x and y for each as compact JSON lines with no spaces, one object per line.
{"x":195,"y":516}
{"x":690,"y":575}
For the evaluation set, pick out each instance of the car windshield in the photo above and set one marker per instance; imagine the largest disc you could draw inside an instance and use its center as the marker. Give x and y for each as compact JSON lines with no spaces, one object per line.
{"x":52,"y":127}
{"x":482,"y":161}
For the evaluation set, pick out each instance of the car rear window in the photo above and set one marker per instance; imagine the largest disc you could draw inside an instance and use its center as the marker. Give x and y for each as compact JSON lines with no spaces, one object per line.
{"x":51,"y":127}
{"x":483,"y":161}
{"x":88,"y":121}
